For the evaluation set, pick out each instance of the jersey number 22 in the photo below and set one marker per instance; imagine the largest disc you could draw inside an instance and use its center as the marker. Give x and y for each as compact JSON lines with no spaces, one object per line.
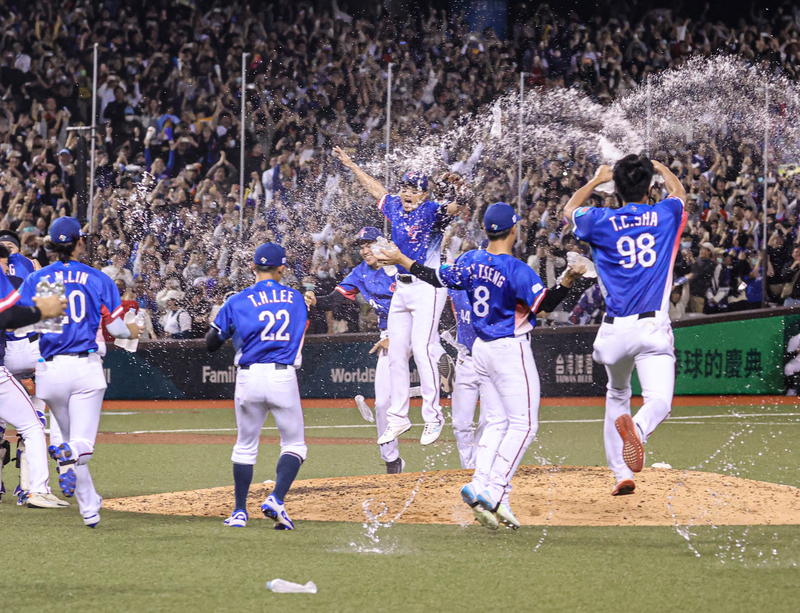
{"x":272,"y":319}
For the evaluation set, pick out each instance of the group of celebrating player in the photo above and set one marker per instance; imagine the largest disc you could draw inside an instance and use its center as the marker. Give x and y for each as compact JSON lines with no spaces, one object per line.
{"x":495,"y":297}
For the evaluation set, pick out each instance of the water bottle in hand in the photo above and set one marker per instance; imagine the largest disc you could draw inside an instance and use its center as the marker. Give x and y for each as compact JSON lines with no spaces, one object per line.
{"x":377,"y":249}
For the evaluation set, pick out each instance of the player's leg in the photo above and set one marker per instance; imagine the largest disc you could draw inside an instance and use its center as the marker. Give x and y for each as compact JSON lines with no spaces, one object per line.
{"x":284,"y":399}
{"x":399,"y":326}
{"x":426,"y":306}
{"x":655,"y":365}
{"x":618,"y":403}
{"x":390,"y":452}
{"x":466,"y":392}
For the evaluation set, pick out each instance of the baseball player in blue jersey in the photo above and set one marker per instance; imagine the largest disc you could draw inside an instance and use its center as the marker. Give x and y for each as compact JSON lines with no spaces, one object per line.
{"x":267,"y":323}
{"x":634,"y":249}
{"x":15,"y":404}
{"x":418,"y":225}
{"x":377,"y":287}
{"x":505,"y":295}
{"x":69,"y":376}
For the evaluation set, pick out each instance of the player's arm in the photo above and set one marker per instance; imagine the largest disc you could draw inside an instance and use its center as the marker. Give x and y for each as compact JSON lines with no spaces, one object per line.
{"x":672,"y":183}
{"x":393,"y":256}
{"x":221,"y":329}
{"x":337,"y":297}
{"x":109,"y":298}
{"x":213,"y":341}
{"x":555,"y":295}
{"x":604,"y":174}
{"x":373,"y":186}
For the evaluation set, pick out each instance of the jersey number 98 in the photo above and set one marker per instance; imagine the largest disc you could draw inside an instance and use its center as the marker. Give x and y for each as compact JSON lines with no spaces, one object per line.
{"x":272,"y":319}
{"x":640,"y":250}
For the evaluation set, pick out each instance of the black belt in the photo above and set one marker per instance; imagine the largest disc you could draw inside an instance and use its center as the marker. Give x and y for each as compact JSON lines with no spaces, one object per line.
{"x":82,"y":354}
{"x":277,"y":367}
{"x":610,"y":320}
{"x":33,"y":338}
{"x":405,"y":278}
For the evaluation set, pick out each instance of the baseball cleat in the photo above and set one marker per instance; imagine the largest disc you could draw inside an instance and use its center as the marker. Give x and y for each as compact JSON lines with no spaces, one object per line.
{"x":45,"y":501}
{"x":52,"y":450}
{"x":485,"y":518}
{"x":469,"y":495}
{"x":2,"y":490}
{"x":22,"y":496}
{"x":506,"y":517}
{"x":92,"y":520}
{"x":632,"y":448}
{"x":431,"y":433}
{"x":624,"y":487}
{"x":392,"y":432}
{"x":395,"y":467}
{"x":67,"y":477}
{"x":364,"y":409}
{"x":487,"y":502}
{"x":275,"y":511}
{"x":447,"y":372}
{"x":238,"y":519}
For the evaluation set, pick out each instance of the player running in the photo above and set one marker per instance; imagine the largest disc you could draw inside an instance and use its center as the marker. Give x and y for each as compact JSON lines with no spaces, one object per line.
{"x":377,"y":287}
{"x":70,"y":377}
{"x":267,"y":323}
{"x":15,"y":404}
{"x":505,"y":295}
{"x":634,"y":250}
{"x":418,"y":225}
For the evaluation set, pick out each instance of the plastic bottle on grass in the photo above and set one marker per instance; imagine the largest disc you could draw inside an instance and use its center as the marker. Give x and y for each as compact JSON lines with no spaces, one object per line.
{"x":281,"y":586}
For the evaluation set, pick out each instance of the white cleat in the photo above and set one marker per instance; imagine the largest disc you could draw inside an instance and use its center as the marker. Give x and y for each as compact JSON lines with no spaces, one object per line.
{"x":45,"y":501}
{"x":92,"y":521}
{"x":364,"y":409}
{"x":276,"y":511}
{"x":238,"y":519}
{"x":431,"y":433}
{"x":392,"y":432}
{"x":506,"y":517}
{"x":485,"y":518}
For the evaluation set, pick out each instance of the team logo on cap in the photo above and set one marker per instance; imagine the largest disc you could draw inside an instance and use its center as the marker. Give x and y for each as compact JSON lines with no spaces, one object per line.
{"x":363,"y":233}
{"x":494,"y":226}
{"x":62,"y":237}
{"x":263,"y":260}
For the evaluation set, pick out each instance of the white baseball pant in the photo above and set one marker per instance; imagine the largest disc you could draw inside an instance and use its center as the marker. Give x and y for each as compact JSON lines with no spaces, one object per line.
{"x":261,"y":389}
{"x":414,"y":329}
{"x":466,"y":392}
{"x":73,"y":387}
{"x":16,"y":409}
{"x":510,"y":394}
{"x":648,"y":345}
{"x":383,"y":401}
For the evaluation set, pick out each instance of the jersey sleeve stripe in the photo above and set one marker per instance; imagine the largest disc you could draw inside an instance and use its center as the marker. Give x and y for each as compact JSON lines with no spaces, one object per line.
{"x":382,"y":201}
{"x":9,"y":300}
{"x":538,"y":301}
{"x":117,"y":312}
{"x":676,"y":245}
{"x":350,"y":294}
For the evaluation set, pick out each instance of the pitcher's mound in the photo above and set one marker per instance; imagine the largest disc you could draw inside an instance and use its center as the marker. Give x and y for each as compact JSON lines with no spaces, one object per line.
{"x":543,"y":495}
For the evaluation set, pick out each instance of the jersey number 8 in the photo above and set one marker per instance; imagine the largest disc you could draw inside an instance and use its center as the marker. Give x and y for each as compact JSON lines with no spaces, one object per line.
{"x":627,"y":248}
{"x":481,"y":305}
{"x":272,"y":319}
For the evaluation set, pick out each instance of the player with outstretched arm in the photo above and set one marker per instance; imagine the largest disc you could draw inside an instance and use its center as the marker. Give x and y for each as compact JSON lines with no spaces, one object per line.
{"x":69,"y":376}
{"x":505,"y":294}
{"x":267,"y":323}
{"x":634,"y":249}
{"x":418,"y":225}
{"x":377,"y":287}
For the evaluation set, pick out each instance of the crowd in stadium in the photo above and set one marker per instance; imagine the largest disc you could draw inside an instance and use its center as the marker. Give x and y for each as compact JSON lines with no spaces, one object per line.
{"x":168,"y":149}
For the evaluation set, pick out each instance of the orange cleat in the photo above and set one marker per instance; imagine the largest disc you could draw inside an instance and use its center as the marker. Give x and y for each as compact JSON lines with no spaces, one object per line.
{"x":632,"y":449}
{"x":624,"y":487}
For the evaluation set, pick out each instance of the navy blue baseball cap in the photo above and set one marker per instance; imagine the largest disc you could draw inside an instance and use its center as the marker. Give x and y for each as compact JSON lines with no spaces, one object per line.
{"x":368,"y":234}
{"x":65,"y":230}
{"x":500,"y":217}
{"x":416,"y":179}
{"x":270,"y":254}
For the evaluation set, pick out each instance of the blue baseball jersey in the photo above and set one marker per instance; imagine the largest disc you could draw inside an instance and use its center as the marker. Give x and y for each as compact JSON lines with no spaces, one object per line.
{"x":462,"y":308}
{"x":376,"y":286}
{"x":19,"y":266}
{"x":417,"y":234}
{"x":634,"y":249}
{"x":503,"y":291}
{"x":9,"y":296}
{"x":89,"y":294}
{"x":267,"y":323}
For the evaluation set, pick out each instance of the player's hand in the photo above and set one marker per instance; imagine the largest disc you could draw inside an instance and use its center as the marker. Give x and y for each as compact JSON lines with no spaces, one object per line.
{"x":572,"y":274}
{"x":340,"y":155}
{"x":310,"y":298}
{"x":134,"y":330}
{"x":604,"y":174}
{"x":381,"y":344}
{"x":51,"y":306}
{"x":390,"y":256}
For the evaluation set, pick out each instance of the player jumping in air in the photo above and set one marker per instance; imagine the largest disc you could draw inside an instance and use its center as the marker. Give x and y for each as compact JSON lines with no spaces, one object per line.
{"x":505,"y":294}
{"x":267,"y":322}
{"x":634,"y":250}
{"x":418,"y":225}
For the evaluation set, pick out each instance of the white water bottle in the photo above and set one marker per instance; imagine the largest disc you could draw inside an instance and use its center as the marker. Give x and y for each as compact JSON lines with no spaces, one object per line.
{"x":44,"y":289}
{"x":377,"y":248}
{"x":281,"y":586}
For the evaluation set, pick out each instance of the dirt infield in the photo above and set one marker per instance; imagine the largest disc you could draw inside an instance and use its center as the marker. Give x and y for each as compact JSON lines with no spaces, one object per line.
{"x":543,"y":495}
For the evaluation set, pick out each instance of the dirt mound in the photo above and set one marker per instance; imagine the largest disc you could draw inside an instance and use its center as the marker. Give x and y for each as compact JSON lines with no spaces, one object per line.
{"x":543,"y":495}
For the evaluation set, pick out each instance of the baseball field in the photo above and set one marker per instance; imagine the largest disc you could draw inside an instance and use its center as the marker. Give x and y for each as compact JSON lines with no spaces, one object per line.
{"x":714,"y":532}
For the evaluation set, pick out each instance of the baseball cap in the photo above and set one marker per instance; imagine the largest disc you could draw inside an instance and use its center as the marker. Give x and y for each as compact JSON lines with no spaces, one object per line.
{"x":270,"y":254}
{"x":9,"y":236}
{"x":368,"y":234}
{"x":416,"y":180}
{"x":499,"y":217}
{"x":65,"y":150}
{"x":65,"y":230}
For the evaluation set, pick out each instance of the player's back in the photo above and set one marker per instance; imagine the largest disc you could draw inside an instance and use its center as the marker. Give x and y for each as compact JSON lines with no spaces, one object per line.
{"x":634,"y":250}
{"x":19,"y":266}
{"x":462,"y":308}
{"x":267,"y":322}
{"x":87,"y":291}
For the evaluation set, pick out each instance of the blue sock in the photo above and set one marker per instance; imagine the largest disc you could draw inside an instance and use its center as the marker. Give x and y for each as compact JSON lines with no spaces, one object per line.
{"x":242,"y":477}
{"x":288,"y":465}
